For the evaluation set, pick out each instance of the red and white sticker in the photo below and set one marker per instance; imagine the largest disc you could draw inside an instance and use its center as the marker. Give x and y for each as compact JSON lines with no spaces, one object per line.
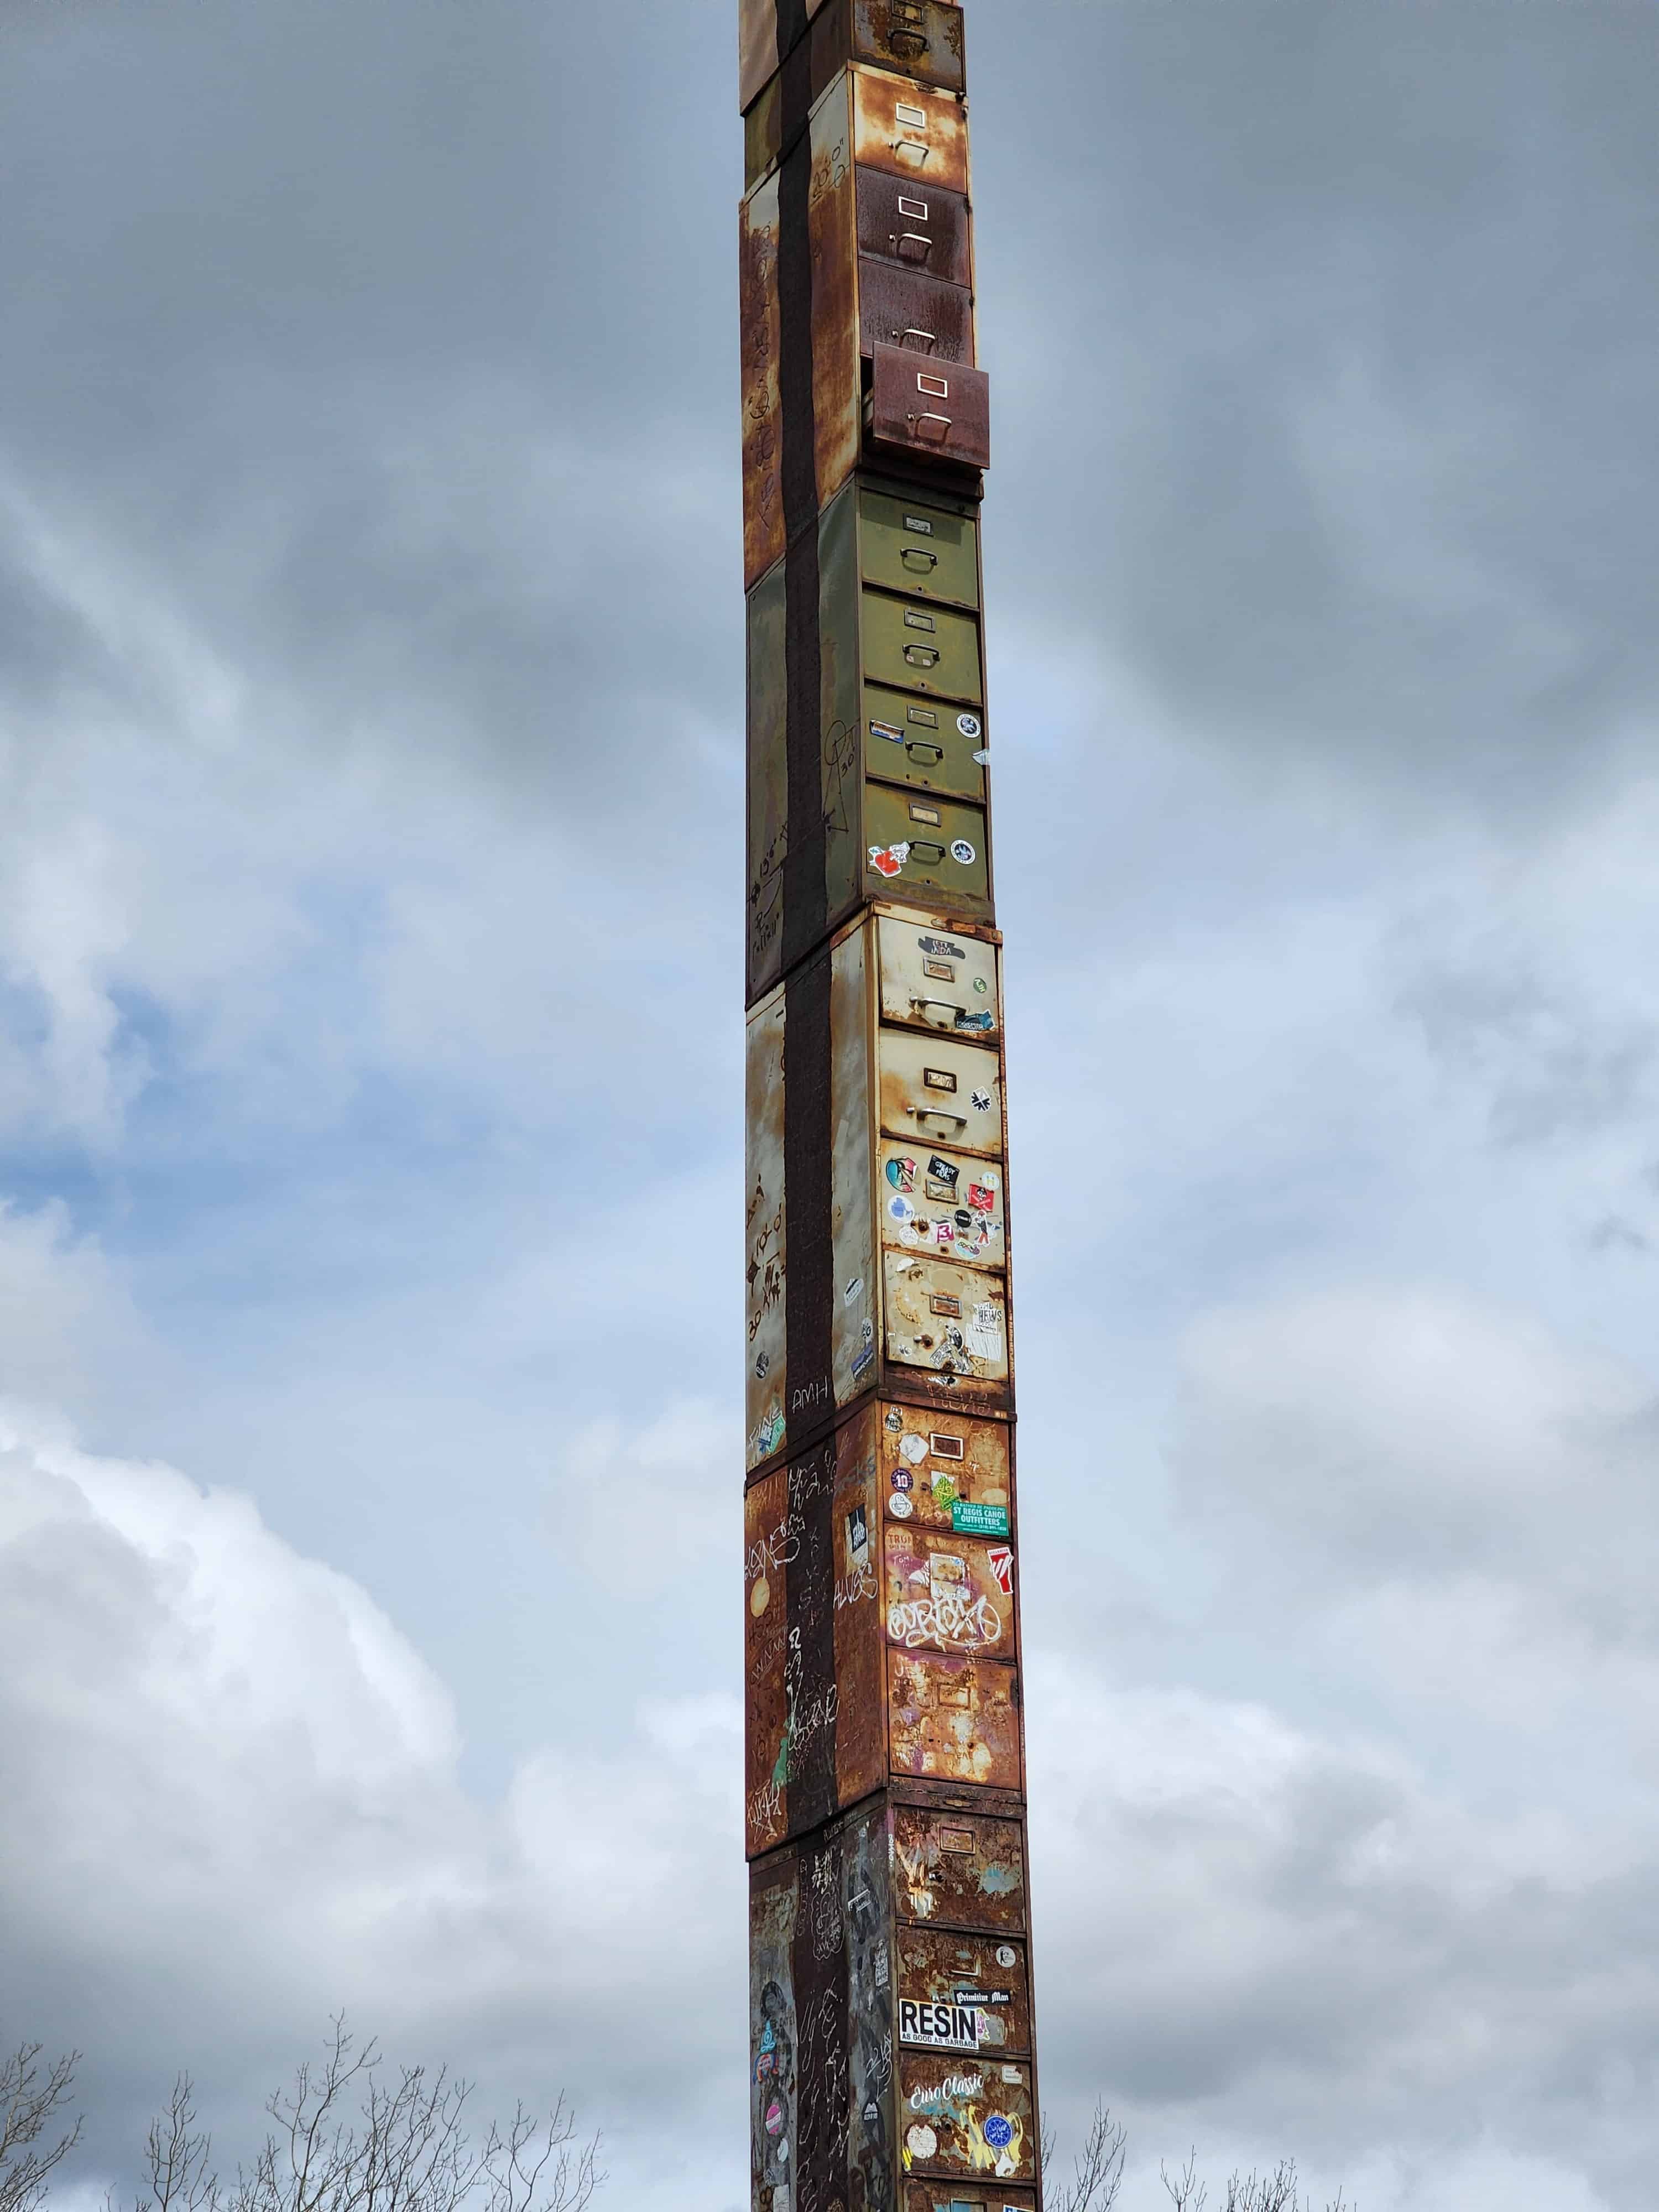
{"x":1000,"y":1560}
{"x":889,"y":859}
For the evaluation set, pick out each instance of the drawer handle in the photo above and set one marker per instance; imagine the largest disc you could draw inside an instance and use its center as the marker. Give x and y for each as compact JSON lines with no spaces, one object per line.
{"x":922,"y":656}
{"x":913,"y":245}
{"x":929,"y":756}
{"x":918,"y":557}
{"x":945,"y":1006}
{"x":922,"y":422}
{"x":925,"y":850}
{"x":918,"y":341}
{"x":938,"y":1113}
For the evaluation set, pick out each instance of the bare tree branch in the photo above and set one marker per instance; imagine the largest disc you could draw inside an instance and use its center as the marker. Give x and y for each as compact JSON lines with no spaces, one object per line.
{"x":30,"y":2096}
{"x":1097,"y":2172}
{"x":1186,"y":2191}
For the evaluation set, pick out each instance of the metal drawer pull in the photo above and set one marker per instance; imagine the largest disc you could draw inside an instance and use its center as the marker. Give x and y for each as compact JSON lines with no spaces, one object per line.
{"x":922,"y":656}
{"x":925,"y":341}
{"x":929,"y":756}
{"x":946,"y":1005}
{"x":925,"y":850}
{"x":938,"y":1114}
{"x":909,"y":241}
{"x":919,"y":556}
{"x":940,"y":433}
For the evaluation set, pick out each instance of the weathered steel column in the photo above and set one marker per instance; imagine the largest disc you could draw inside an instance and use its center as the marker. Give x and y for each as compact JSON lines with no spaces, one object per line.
{"x":891,"y":2044}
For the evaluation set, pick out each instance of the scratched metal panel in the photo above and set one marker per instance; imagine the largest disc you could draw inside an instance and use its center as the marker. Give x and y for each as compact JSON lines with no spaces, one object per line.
{"x":768,"y":781}
{"x":921,"y":314}
{"x":857,"y":1312}
{"x":926,"y":845}
{"x":868,"y":1914}
{"x":773,"y":2037}
{"x":767,"y":1376}
{"x":915,"y":228}
{"x":939,"y":408}
{"x":941,"y":1202}
{"x":943,"y":1471}
{"x":770,"y":1542}
{"x":878,"y":32}
{"x":954,"y":1720}
{"x":955,"y":1869}
{"x":931,"y":744}
{"x":860,"y":1721}
{"x":832,"y":222}
{"x":909,"y":130}
{"x":949,"y":1594}
{"x":967,"y":2116}
{"x":963,"y":1991}
{"x":944,"y":1319}
{"x":936,"y":1090}
{"x":944,"y":980}
{"x":760,"y":348}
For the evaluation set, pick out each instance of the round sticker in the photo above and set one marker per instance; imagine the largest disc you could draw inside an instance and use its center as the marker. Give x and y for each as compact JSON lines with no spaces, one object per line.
{"x":913,"y":1448}
{"x":774,"y":2118}
{"x":998,"y":2132}
{"x":980,"y":984}
{"x":920,"y":2142}
{"x":962,"y":852}
{"x":900,"y":1207}
{"x":899,"y":1506}
{"x":894,"y":1420}
{"x":970,"y":725}
{"x":869,"y":1332}
{"x":760,"y":1597}
{"x":1006,"y":1955}
{"x":902,"y":1479}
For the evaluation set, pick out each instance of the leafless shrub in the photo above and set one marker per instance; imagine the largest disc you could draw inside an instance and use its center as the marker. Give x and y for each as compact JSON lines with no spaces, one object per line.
{"x":1097,"y":2172}
{"x":31,"y":2098}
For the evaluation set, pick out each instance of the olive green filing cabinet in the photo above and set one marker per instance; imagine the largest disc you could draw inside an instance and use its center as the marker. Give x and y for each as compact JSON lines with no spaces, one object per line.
{"x":904,"y":739}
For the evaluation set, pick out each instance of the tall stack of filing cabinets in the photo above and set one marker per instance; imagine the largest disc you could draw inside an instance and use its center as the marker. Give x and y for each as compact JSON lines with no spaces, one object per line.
{"x":891,"y":2047}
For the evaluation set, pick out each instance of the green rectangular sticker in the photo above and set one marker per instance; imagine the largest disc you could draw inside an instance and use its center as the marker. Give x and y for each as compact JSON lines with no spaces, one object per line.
{"x":969,"y":1520}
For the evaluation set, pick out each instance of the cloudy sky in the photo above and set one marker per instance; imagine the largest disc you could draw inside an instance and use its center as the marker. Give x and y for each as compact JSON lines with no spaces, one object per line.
{"x":370,"y":1027}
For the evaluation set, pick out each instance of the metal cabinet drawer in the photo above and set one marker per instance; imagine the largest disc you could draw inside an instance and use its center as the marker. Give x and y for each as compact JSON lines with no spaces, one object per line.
{"x":934,"y":1090}
{"x":951,"y":1320}
{"x":962,"y":1992}
{"x":921,"y":646}
{"x":954,"y":1720}
{"x":906,"y":545}
{"x":942,"y":407}
{"x":909,"y":131}
{"x":946,"y":1593}
{"x":960,"y":1869}
{"x":942,"y":1202}
{"x":920,"y":39}
{"x":942,"y":1472}
{"x":924,"y":228}
{"x":935,"y":981}
{"x":931,"y":744}
{"x":919,"y":313}
{"x":921,"y":841}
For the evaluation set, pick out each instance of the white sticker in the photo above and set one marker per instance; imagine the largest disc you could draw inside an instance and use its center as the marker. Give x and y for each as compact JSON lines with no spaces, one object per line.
{"x":913,"y":1449}
{"x":899,"y":1506}
{"x":854,"y":1289}
{"x":981,"y":1102}
{"x":986,"y":1316}
{"x":889,"y":859}
{"x":985,"y":1343}
{"x":982,"y":757}
{"x":1007,"y":1956}
{"x":970,"y":725}
{"x":963,"y":853}
{"x":1012,"y":2073}
{"x":920,"y":2142}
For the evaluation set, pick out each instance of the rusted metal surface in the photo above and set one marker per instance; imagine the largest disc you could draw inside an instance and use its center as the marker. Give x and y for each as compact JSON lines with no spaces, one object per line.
{"x":760,"y":340}
{"x":921,"y":646}
{"x":767,"y":782}
{"x":812,"y":1581}
{"x":920,"y":228}
{"x":966,"y":2115}
{"x":909,"y":130}
{"x":938,"y":1091}
{"x":944,"y":1320}
{"x":914,"y":312}
{"x":947,"y":980}
{"x":868,"y":1909}
{"x":857,"y":1311}
{"x":944,"y":409}
{"x":773,"y":2037}
{"x":959,"y":1870}
{"x":943,"y":1203}
{"x":941,"y":1471}
{"x":832,"y":227}
{"x":946,"y":1592}
{"x":944,"y":2196}
{"x":918,"y":39}
{"x":767,"y":1382}
{"x":955,"y":1720}
{"x":959,"y":1991}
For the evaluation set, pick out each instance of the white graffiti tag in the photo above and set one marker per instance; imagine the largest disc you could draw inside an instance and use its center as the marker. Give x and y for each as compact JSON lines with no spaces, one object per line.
{"x":945,"y":1620}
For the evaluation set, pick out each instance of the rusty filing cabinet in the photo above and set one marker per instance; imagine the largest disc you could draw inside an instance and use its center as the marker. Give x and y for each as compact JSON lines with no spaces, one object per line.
{"x":870,"y":286}
{"x":897,"y":1223}
{"x":922,"y":41}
